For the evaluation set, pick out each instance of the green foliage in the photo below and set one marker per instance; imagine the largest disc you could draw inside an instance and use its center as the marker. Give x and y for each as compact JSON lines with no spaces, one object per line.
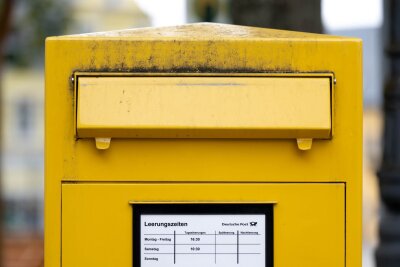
{"x":33,"y":21}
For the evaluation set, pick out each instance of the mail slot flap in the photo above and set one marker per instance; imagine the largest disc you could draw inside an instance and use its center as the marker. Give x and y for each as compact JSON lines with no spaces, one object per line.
{"x":204,"y":107}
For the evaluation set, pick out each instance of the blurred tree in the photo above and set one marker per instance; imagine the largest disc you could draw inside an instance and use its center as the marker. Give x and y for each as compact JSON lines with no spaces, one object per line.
{"x":206,"y":10}
{"x":278,"y":14}
{"x":33,"y":21}
{"x":6,"y":7}
{"x":388,"y":251}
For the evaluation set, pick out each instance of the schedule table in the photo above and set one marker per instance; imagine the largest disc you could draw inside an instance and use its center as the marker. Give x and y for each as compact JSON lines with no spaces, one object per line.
{"x":203,"y":240}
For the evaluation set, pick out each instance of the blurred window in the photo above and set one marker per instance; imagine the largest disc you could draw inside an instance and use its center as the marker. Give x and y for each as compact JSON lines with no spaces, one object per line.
{"x":24,"y":118}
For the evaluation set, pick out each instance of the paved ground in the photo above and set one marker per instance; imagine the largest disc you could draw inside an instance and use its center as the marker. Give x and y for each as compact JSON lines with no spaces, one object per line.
{"x":23,"y":250}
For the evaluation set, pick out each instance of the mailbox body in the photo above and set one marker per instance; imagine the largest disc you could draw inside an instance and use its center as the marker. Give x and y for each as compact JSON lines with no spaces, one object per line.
{"x":201,"y":134}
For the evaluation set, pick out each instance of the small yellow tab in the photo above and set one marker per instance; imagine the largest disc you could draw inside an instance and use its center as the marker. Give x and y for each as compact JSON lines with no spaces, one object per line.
{"x":304,"y":143}
{"x":103,"y":143}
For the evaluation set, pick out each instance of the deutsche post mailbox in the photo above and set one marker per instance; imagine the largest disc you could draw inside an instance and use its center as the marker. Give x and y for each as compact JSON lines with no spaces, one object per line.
{"x":203,"y":145}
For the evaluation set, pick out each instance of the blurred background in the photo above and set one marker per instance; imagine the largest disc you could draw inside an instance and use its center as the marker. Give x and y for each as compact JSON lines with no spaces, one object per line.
{"x":25,"y":23}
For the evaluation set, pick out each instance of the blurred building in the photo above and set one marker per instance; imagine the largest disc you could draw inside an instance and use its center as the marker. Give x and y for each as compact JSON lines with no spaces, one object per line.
{"x":23,"y":148}
{"x":23,"y":116}
{"x":106,"y":15}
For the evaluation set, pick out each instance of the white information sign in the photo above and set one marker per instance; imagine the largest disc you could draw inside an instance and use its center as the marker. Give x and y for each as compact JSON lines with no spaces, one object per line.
{"x":203,"y":240}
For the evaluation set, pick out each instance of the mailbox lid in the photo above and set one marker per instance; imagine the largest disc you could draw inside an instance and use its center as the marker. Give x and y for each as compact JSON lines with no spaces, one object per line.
{"x":204,"y":107}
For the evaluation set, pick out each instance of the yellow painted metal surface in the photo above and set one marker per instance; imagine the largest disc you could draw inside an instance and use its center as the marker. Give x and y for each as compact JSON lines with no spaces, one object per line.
{"x":79,"y":176}
{"x":309,"y":219}
{"x":205,"y":107}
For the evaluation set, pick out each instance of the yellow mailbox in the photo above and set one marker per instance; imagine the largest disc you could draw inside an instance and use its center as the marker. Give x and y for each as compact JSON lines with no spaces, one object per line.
{"x":203,"y":145}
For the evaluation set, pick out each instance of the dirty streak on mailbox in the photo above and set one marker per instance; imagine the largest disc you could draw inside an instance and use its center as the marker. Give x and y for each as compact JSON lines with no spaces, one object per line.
{"x":203,"y":145}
